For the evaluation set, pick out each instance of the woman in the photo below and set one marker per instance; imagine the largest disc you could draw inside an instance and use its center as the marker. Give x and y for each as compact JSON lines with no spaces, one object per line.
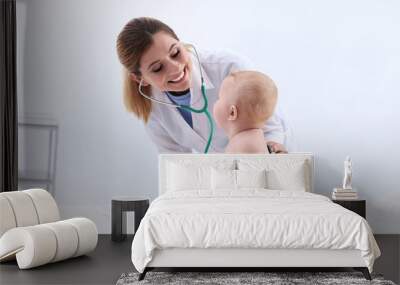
{"x":166,"y":69}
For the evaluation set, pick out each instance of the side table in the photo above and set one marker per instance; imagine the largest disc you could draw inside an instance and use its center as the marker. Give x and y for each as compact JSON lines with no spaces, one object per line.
{"x":357,"y":206}
{"x":119,"y":207}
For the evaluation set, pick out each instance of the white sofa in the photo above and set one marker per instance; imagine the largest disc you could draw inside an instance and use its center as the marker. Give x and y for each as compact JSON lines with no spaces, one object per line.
{"x":31,"y":231}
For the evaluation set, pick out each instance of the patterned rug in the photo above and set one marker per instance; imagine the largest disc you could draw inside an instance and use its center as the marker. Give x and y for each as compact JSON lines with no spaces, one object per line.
{"x":269,"y":278}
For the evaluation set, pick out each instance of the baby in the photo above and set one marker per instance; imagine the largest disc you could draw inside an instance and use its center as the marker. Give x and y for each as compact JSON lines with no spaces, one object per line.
{"x":246,"y":100}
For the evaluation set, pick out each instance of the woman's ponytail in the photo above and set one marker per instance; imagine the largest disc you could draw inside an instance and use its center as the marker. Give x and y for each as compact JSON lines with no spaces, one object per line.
{"x":133,"y":101}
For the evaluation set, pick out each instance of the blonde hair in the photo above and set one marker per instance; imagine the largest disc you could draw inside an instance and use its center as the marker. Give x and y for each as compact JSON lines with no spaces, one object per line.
{"x":256,"y":94}
{"x":135,"y":39}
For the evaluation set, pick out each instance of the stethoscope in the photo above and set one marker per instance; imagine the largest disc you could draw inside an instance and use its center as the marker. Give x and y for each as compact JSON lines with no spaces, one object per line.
{"x":204,"y":109}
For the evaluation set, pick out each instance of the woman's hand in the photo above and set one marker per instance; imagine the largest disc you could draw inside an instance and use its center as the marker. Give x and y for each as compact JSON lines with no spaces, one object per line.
{"x":275,"y":147}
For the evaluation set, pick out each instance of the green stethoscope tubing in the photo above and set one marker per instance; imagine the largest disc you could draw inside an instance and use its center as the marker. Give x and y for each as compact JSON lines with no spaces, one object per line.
{"x":204,"y":109}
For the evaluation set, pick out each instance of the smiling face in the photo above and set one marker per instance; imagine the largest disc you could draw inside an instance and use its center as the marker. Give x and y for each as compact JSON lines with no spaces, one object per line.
{"x":166,"y":64}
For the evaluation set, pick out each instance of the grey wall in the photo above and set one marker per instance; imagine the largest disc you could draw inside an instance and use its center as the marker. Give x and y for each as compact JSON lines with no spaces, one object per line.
{"x":336,"y":63}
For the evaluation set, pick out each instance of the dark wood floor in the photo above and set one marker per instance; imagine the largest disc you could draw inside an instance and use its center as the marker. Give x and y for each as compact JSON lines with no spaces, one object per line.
{"x":110,"y":260}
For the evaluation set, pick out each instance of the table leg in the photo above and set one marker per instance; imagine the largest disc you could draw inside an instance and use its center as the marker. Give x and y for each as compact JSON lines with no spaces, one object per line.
{"x":140,"y":211}
{"x":118,"y":222}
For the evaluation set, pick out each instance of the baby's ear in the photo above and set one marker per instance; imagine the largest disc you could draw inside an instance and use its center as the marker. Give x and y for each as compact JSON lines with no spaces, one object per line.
{"x":233,"y":113}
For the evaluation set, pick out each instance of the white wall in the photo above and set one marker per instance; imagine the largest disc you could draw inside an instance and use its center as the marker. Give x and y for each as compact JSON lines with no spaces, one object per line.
{"x":336,"y":63}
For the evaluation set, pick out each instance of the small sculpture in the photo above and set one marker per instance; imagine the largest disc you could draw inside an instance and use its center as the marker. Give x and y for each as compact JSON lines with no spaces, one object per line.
{"x":347,"y":173}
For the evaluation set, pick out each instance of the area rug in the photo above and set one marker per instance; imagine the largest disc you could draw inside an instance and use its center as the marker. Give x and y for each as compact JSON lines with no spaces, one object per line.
{"x":269,"y":278}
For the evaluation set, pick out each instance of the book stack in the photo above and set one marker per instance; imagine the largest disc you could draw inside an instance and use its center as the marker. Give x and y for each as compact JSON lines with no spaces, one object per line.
{"x":344,"y":194}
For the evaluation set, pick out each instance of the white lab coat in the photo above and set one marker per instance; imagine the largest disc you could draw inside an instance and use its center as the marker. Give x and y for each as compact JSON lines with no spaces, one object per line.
{"x":171,"y":133}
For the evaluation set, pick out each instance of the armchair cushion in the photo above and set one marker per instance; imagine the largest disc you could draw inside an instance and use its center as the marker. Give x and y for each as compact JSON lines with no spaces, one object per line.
{"x":31,"y":232}
{"x":40,"y":244}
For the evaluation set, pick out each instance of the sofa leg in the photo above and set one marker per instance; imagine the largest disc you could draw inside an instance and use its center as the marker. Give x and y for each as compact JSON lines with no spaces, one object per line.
{"x":364,"y":271}
{"x":142,"y":275}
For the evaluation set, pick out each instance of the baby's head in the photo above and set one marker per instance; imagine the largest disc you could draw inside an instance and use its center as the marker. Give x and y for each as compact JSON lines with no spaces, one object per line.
{"x":246,"y":100}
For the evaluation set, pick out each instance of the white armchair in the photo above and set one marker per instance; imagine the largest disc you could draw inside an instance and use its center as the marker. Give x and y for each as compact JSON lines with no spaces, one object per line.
{"x":31,"y":230}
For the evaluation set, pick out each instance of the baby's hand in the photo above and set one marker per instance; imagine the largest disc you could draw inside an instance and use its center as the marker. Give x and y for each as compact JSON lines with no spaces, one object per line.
{"x":275,"y":147}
